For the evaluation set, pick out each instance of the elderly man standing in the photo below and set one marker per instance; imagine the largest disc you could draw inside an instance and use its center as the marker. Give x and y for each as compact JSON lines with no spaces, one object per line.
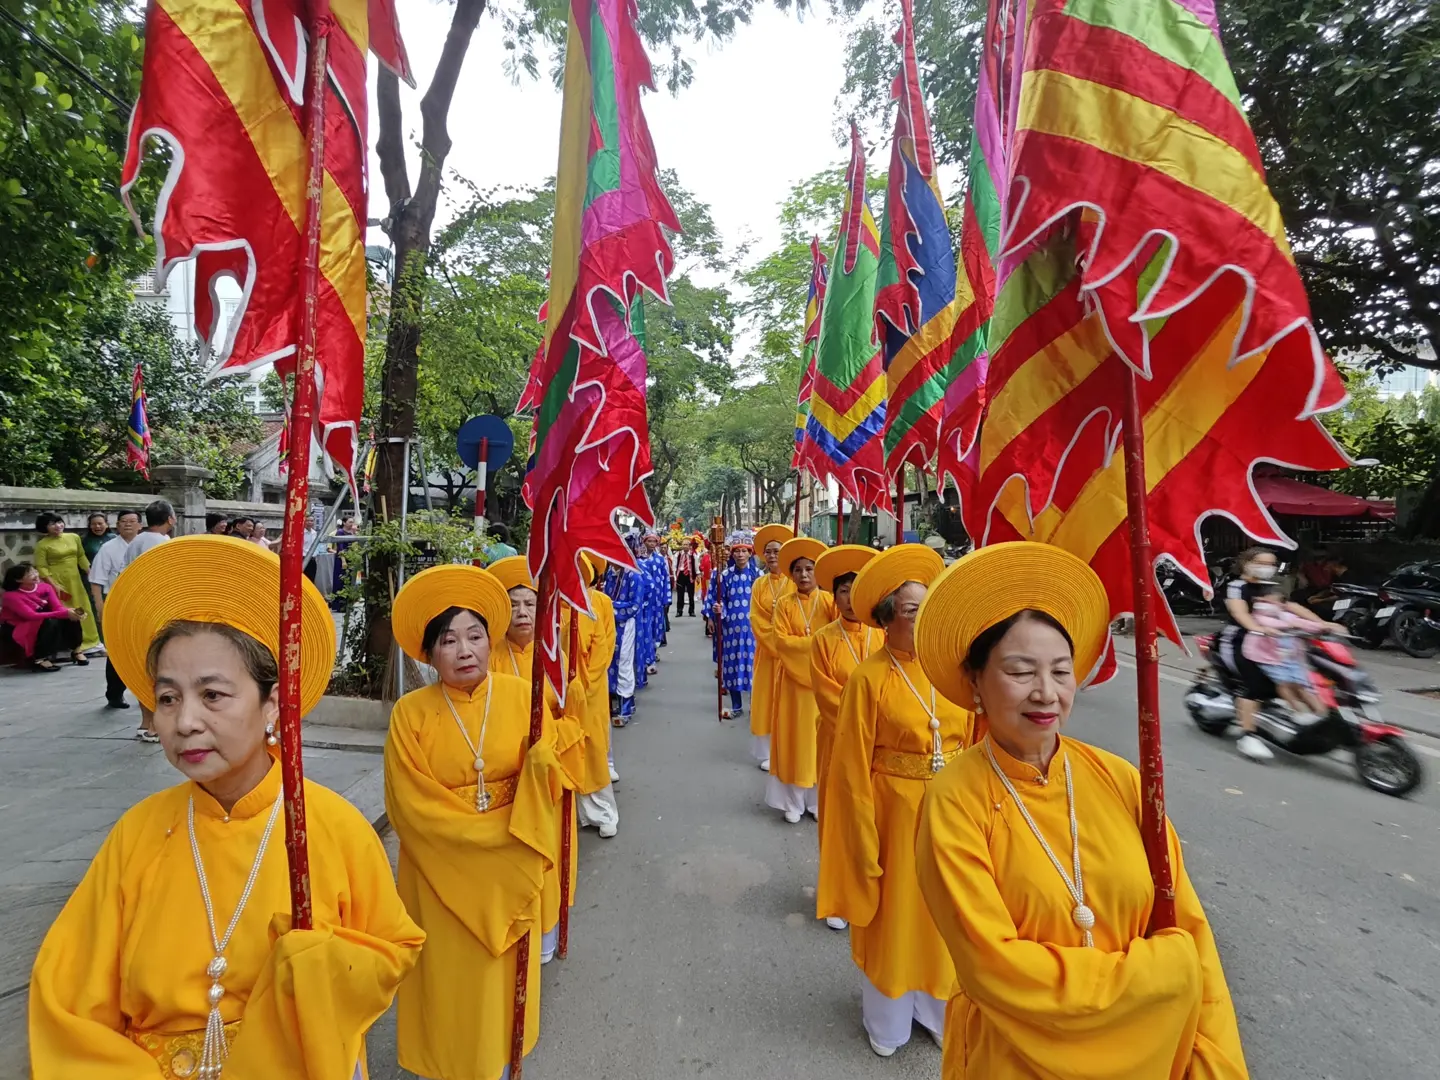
{"x":687,"y":573}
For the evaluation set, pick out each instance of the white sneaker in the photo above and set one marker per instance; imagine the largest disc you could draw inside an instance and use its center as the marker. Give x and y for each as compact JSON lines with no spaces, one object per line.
{"x":834,"y":922}
{"x":614,"y":775}
{"x":146,"y":735}
{"x":1254,"y":748}
{"x":546,"y":957}
{"x":765,"y":765}
{"x":608,"y":832}
{"x":881,"y":1051}
{"x":792,"y":817}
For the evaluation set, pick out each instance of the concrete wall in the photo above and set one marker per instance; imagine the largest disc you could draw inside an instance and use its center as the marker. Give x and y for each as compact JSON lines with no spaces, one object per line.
{"x":20,"y":506}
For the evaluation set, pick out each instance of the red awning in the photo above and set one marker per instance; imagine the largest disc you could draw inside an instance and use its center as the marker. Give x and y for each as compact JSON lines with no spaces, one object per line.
{"x":1285,"y":496}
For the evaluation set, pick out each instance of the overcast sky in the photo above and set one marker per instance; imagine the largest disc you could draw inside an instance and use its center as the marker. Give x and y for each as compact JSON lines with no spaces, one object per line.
{"x":758,"y":117}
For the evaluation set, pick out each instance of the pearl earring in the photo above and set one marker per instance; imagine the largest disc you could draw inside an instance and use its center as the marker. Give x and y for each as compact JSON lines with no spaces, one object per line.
{"x":270,"y":738}
{"x":979,"y":707}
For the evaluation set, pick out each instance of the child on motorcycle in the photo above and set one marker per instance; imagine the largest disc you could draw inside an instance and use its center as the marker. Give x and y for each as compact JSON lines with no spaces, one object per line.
{"x":1279,"y":653}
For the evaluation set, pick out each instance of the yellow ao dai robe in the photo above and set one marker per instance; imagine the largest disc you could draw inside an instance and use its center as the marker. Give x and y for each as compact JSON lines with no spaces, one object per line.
{"x":472,"y":880}
{"x":507,"y":658}
{"x":597,"y":649}
{"x":867,"y":829}
{"x":768,"y":590}
{"x":1033,"y":1002}
{"x":835,"y":652}
{"x":120,"y":981}
{"x":792,"y":736}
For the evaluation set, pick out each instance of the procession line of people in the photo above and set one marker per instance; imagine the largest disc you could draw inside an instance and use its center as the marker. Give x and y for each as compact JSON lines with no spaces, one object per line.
{"x":989,"y":869}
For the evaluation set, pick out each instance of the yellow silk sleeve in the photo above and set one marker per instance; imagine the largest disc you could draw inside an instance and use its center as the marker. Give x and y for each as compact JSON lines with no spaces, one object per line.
{"x":792,"y":644}
{"x":41,"y":561}
{"x":76,"y":1027}
{"x":823,"y":677}
{"x":762,"y":619}
{"x":441,"y":832}
{"x":1122,"y":1014}
{"x":849,"y":837}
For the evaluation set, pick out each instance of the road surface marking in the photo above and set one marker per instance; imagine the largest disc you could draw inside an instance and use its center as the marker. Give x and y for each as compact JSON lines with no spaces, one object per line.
{"x":1164,"y":674}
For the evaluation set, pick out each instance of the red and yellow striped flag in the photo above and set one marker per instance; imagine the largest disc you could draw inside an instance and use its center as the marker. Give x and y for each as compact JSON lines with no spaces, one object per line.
{"x":223,"y":88}
{"x":1140,"y":235}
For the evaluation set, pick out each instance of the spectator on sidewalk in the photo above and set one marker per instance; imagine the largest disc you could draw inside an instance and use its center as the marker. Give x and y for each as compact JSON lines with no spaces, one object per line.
{"x":97,"y":532}
{"x":40,"y":624}
{"x":340,"y":577}
{"x":217,"y":524}
{"x":60,"y":560}
{"x":242,"y":527}
{"x":159,"y":523}
{"x":497,"y":546}
{"x":104,"y":569}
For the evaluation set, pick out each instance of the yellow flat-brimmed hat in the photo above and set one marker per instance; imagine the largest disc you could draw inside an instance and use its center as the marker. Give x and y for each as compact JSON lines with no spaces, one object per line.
{"x":587,"y":567}
{"x":213,"y":579}
{"x":991,"y":584}
{"x":802,"y":547}
{"x":887,"y":571}
{"x":768,"y":534}
{"x":432,"y":591}
{"x":512,"y":572}
{"x":837,"y":561}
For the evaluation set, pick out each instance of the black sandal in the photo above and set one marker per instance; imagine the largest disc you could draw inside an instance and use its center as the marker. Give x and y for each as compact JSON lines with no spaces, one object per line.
{"x":78,"y":659}
{"x":42,"y":665}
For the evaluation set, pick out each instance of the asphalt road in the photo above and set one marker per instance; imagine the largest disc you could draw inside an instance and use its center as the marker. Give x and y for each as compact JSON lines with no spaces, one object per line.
{"x":694,"y":950}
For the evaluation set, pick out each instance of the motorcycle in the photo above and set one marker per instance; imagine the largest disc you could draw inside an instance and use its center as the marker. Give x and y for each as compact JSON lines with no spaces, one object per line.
{"x":1410,"y":615}
{"x":1368,"y":617}
{"x":1384,"y":760}
{"x":1181,"y":593}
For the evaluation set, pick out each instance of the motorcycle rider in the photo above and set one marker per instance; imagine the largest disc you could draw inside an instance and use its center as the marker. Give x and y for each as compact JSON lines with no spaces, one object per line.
{"x":1258,"y":567}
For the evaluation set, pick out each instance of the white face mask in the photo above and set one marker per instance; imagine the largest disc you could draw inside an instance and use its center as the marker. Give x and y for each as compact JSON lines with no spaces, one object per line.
{"x":1262,"y":571}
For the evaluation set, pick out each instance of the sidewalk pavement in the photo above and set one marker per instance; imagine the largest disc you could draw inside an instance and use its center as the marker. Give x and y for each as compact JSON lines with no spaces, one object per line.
{"x":1396,"y":673}
{"x":68,"y":769}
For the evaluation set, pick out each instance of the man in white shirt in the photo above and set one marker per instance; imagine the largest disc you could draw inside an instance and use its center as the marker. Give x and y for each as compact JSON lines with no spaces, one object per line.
{"x":108,"y":563}
{"x":159,"y":521}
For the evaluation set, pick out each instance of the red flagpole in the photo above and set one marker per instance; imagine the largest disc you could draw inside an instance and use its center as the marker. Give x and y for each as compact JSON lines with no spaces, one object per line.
{"x":522,"y":949}
{"x":567,"y":803}
{"x":292,"y":555}
{"x":1147,"y":668}
{"x":840,"y":518}
{"x":796,"y":530}
{"x":900,"y":506}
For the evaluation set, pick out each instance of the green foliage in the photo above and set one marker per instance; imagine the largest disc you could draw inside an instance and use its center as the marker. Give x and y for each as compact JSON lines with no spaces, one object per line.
{"x":1343,"y":98}
{"x":428,"y":539}
{"x":1400,"y":436}
{"x":65,"y":422}
{"x":64,"y":236}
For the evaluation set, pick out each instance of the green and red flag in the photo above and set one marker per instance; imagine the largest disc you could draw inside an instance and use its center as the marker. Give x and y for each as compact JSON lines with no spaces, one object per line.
{"x":1140,"y":236}
{"x":923,"y":314}
{"x":591,"y":447}
{"x":847,"y":404}
{"x":814,"y":303}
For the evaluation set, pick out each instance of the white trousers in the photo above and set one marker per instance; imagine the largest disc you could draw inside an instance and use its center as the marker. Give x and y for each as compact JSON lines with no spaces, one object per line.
{"x":760,"y":747}
{"x":600,"y":809}
{"x":549,"y":942}
{"x":788,"y":798}
{"x":888,"y":1020}
{"x":625,"y":667}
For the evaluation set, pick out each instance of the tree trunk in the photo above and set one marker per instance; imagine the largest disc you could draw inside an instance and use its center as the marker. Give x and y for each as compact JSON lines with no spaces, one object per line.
{"x":408,"y":225}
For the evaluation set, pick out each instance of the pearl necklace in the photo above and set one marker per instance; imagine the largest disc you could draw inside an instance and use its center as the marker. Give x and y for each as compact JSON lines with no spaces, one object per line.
{"x":1083,"y":916}
{"x":482,"y":797}
{"x":215,"y":1048}
{"x":937,"y":745}
{"x":806,"y":615}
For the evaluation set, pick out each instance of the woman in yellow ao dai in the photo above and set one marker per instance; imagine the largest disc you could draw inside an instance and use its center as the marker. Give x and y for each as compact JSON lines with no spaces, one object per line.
{"x":1030,"y":856}
{"x":596,"y":804}
{"x":768,"y":590}
{"x":790,"y":787}
{"x":476,"y":810}
{"x":893,"y":734}
{"x":174,"y":957}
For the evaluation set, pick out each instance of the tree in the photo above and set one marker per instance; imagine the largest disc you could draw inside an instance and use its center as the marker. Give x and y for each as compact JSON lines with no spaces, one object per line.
{"x":68,"y":426}
{"x":1342,"y":97}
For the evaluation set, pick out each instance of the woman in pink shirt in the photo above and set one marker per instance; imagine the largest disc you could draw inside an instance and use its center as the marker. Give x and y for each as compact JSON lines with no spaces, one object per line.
{"x":40,"y":624}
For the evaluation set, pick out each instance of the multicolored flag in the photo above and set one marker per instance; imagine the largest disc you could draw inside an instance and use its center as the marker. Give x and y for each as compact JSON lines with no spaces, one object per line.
{"x":137,"y":443}
{"x":591,"y":448}
{"x":921,"y":317}
{"x":847,"y":404}
{"x":1141,"y":237}
{"x":223,"y":86}
{"x":813,"y":305}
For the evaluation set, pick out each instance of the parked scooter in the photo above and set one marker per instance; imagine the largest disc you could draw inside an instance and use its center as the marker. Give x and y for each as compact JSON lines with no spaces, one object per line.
{"x":1383,"y":758}
{"x":1181,"y":593}
{"x":1369,"y":618}
{"x":1410,"y":615}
